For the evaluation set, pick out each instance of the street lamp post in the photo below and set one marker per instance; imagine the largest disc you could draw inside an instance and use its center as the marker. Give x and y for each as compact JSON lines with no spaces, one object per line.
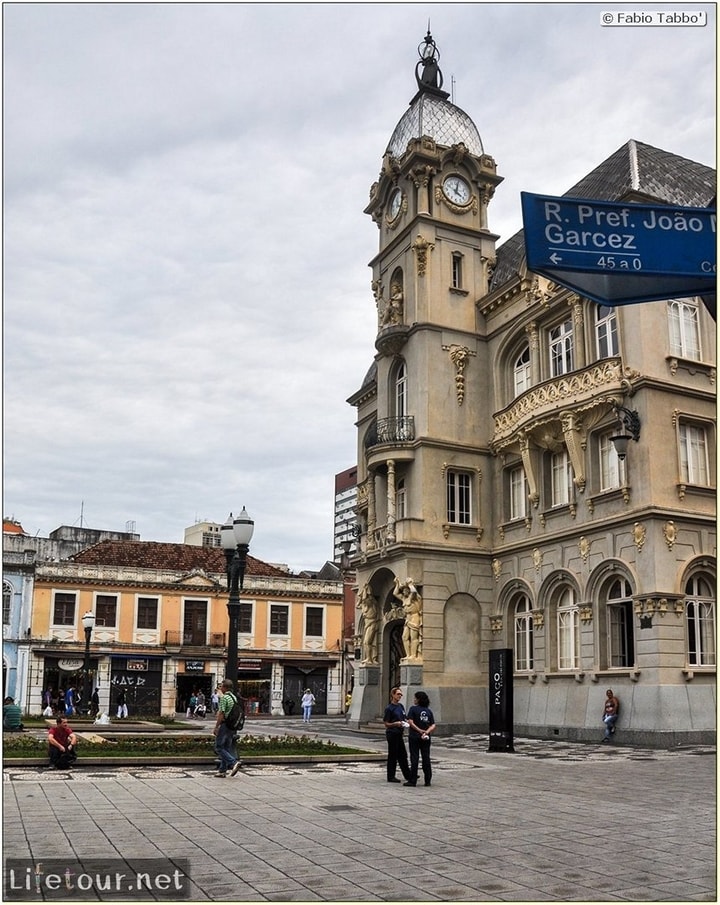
{"x":88,"y":621}
{"x":235,"y":536}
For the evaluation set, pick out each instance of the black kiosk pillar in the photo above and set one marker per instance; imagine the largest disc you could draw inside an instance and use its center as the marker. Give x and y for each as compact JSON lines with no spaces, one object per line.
{"x":500,"y":707}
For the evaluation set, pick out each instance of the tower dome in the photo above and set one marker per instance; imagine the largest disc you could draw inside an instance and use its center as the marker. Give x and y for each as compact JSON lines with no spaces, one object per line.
{"x":431,"y":113}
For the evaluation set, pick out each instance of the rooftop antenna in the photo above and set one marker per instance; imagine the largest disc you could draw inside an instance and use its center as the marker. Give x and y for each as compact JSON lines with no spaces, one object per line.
{"x":452,"y":89}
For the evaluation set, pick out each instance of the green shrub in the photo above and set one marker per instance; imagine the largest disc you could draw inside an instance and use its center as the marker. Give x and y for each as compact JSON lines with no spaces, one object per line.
{"x":20,"y":746}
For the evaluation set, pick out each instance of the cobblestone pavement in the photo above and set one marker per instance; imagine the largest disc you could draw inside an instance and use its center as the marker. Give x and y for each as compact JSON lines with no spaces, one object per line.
{"x":551,"y":822}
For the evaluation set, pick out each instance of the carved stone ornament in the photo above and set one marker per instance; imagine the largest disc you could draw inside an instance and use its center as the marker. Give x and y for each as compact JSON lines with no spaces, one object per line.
{"x":639,"y":534}
{"x":421,"y":248}
{"x":459,"y":356}
{"x":497,"y":569}
{"x":537,"y":558}
{"x":584,"y":548}
{"x":670,"y":533}
{"x":496,"y":624}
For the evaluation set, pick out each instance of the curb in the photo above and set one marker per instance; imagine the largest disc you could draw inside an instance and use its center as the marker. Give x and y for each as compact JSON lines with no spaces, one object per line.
{"x":171,"y":760}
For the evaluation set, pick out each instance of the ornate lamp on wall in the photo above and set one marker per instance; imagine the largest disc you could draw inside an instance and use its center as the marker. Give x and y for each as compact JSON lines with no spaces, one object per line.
{"x":630,"y":430}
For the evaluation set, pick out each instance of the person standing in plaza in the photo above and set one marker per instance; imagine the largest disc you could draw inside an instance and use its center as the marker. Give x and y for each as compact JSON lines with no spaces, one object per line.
{"x":395,"y":725}
{"x":307,"y":702}
{"x":422,"y":726}
{"x":122,"y":708}
{"x":611,"y":710}
{"x":61,"y":744}
{"x":224,"y":731}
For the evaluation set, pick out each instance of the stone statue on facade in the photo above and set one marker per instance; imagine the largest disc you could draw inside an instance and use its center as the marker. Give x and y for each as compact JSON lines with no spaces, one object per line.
{"x":370,"y":624}
{"x":411,"y":601}
{"x":393,"y":313}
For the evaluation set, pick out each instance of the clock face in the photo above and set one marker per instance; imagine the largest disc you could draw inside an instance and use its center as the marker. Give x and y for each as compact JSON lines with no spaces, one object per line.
{"x":395,"y":202}
{"x":456,"y":190}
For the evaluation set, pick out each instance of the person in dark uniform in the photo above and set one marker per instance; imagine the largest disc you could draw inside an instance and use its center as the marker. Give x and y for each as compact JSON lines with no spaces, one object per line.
{"x":395,"y":725}
{"x":422,"y":726}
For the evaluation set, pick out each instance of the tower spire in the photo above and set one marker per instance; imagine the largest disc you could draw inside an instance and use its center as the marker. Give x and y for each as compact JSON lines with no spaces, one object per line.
{"x":427,"y":71}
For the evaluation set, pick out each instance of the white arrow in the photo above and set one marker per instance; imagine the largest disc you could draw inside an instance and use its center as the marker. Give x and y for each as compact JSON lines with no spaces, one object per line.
{"x":555,"y":258}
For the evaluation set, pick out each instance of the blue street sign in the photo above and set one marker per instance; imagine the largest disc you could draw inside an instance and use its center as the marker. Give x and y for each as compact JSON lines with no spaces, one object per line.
{"x":618,"y":253}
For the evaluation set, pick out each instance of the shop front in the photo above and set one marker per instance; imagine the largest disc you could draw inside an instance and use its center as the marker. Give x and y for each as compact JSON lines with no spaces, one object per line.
{"x":254,"y":682}
{"x":192,"y":678}
{"x":63,"y":673}
{"x":140,"y":678}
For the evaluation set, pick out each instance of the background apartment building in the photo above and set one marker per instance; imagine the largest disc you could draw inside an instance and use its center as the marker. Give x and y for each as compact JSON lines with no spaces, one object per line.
{"x":161,"y":629}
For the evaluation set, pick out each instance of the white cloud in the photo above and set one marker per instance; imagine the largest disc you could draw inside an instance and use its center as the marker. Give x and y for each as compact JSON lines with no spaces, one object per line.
{"x":187,"y":301}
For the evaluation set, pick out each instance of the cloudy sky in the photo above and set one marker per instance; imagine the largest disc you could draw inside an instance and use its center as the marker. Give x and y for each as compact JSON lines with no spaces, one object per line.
{"x":187,"y":301}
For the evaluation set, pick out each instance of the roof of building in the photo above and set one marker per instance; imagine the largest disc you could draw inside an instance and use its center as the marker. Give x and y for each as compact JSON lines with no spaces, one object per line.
{"x":436,"y":117}
{"x":431,"y":113}
{"x":637,"y":171}
{"x":10,"y":526}
{"x":162,"y":556}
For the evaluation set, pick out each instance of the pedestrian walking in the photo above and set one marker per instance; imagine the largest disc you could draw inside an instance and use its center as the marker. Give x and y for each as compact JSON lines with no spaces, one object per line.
{"x":395,"y":725}
{"x":122,"y":708}
{"x":226,"y":724}
{"x":215,"y":701}
{"x":95,"y":703}
{"x":422,"y":725}
{"x":70,"y":701}
{"x":307,"y":703}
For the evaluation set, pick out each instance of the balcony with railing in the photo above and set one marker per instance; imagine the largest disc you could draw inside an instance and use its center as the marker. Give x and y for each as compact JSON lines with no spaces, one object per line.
{"x":391,"y":430}
{"x":599,"y":385}
{"x":194,"y":639}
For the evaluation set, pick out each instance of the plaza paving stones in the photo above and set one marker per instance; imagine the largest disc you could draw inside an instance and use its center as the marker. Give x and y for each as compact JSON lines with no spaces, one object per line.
{"x":553,"y":821}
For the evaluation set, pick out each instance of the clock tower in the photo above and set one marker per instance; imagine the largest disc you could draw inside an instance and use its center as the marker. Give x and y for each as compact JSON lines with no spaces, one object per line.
{"x":423,"y":434}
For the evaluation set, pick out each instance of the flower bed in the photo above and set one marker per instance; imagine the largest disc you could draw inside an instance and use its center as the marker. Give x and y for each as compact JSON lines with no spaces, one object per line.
{"x":29,"y":746}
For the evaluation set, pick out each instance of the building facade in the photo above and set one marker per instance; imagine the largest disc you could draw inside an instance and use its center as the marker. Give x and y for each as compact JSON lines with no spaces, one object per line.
{"x":496,"y":510}
{"x":161,"y":624}
{"x":21,"y":554}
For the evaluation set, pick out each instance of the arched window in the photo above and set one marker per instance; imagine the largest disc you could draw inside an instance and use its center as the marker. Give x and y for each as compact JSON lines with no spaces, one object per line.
{"x":400,"y":386}
{"x":612,"y":468}
{"x":621,"y":640}
{"x":684,"y":323}
{"x":521,"y":372}
{"x":561,"y":349}
{"x":606,"y":331}
{"x":523,"y":634}
{"x":700,"y":615}
{"x":401,"y":500}
{"x":7,"y":602}
{"x":568,"y":630}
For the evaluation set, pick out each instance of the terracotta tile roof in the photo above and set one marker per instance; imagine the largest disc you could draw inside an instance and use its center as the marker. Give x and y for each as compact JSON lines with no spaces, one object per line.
{"x":636,"y":172}
{"x":175,"y":557}
{"x":11,"y":527}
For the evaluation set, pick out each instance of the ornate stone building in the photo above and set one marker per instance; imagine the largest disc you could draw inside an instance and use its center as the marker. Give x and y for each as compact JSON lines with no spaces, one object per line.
{"x":497,"y":510}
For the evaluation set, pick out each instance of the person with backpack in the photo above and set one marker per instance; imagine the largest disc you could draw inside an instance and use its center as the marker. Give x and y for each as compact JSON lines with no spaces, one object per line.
{"x":227,"y":723}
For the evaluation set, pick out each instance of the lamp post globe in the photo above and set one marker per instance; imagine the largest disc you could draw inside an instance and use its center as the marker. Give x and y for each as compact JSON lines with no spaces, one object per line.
{"x":88,"y":621}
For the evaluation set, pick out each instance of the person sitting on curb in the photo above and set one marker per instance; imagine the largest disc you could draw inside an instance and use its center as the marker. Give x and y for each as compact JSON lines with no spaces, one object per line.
{"x":12,"y":716}
{"x":61,"y":745}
